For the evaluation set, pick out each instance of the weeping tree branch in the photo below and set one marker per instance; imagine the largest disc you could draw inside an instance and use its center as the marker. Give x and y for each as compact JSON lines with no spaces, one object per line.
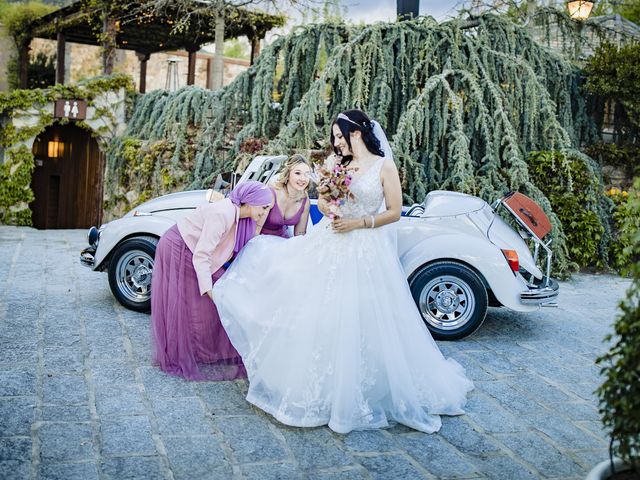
{"x":463,"y":102}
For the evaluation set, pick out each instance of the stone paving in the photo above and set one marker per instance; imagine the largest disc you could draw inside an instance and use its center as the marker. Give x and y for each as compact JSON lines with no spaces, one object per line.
{"x":79,"y":398}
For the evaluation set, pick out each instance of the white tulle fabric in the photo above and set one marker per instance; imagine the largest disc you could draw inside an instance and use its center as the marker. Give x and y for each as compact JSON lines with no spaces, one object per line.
{"x":328,"y":330}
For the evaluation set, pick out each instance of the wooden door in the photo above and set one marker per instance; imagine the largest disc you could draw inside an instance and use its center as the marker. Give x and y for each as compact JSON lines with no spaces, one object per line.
{"x":67,"y":181}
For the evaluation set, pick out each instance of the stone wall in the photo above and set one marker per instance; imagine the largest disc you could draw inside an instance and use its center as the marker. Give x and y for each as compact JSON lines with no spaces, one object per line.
{"x":84,"y":61}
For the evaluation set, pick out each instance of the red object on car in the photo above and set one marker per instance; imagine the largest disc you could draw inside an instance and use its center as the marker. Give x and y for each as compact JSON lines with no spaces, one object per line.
{"x":528,"y":212}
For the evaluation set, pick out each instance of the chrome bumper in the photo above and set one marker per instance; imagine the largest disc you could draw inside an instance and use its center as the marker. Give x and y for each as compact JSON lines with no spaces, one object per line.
{"x":540,"y":294}
{"x":87,"y":256}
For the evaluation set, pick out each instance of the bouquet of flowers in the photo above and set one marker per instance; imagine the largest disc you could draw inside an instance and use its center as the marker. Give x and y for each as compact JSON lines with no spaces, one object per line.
{"x":333,"y":187}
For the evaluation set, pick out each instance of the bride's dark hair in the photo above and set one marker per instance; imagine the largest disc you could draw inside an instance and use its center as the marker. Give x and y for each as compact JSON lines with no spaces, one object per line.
{"x":356,"y":120}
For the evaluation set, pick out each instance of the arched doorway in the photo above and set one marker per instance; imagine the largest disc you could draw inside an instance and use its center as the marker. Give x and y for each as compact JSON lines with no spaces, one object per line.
{"x":67,"y":181}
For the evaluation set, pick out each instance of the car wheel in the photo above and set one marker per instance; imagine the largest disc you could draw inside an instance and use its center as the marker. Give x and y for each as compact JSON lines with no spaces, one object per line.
{"x":130,"y":272}
{"x":451,"y":298}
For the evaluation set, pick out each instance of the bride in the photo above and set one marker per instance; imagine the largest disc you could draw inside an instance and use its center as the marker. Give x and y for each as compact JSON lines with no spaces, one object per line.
{"x":326,"y":324}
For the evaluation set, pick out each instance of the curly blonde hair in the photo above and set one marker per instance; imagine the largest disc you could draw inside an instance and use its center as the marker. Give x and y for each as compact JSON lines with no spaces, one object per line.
{"x":286,"y":167}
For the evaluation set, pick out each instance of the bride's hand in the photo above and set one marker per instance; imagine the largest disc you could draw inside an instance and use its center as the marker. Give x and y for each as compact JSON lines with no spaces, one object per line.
{"x":344,"y":225}
{"x":332,"y":160}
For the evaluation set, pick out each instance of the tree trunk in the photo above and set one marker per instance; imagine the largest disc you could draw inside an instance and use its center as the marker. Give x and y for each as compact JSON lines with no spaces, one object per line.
{"x":108,"y":44}
{"x":217,"y":65}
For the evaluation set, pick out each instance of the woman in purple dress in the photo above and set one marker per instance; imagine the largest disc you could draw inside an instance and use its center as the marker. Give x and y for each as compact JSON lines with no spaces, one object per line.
{"x":186,"y":329}
{"x":291,"y":202}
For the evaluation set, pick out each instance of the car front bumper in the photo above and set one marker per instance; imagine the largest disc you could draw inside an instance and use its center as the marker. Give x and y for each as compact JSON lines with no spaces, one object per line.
{"x":543,"y":293}
{"x":87,"y":256}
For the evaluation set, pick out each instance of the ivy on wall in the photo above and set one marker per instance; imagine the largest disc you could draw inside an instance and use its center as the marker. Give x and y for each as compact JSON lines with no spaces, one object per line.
{"x":15,"y":190}
{"x":18,"y":163}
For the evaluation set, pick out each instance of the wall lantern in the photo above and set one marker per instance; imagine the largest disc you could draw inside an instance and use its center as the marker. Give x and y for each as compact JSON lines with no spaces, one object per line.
{"x":55,"y":149}
{"x":579,"y":9}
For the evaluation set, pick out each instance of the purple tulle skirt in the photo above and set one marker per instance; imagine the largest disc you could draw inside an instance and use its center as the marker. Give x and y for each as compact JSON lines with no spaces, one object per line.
{"x":187,"y":336}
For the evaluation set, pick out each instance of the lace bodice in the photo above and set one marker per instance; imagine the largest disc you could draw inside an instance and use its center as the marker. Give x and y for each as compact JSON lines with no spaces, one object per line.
{"x":368,"y":193}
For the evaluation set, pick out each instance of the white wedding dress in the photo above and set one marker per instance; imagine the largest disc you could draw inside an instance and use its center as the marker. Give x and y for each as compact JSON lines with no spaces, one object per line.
{"x":329,"y":332}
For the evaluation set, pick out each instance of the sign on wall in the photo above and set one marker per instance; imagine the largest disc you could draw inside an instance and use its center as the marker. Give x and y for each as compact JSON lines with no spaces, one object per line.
{"x":72,"y":109}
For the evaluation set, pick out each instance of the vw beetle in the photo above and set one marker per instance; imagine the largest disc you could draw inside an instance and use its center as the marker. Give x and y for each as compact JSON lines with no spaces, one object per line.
{"x":459,"y":254}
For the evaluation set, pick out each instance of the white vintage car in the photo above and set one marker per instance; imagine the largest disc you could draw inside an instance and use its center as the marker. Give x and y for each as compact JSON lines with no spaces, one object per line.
{"x":459,"y":255}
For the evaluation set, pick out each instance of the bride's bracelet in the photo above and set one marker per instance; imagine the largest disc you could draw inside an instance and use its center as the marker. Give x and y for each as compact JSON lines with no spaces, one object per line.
{"x":373,"y":222}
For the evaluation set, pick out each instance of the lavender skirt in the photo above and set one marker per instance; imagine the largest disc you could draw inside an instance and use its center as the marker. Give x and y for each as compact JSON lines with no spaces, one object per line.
{"x":188,"y":338}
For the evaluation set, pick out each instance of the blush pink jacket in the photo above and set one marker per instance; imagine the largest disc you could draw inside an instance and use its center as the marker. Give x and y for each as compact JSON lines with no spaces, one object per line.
{"x":210,"y":234}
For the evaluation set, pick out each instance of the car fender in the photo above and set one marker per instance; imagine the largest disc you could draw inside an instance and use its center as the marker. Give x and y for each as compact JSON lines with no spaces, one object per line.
{"x":118,"y":230}
{"x":476,"y":252}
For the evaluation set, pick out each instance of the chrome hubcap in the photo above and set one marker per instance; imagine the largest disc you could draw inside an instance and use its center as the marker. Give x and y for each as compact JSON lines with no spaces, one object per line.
{"x":447,"y":302}
{"x":134,"y":275}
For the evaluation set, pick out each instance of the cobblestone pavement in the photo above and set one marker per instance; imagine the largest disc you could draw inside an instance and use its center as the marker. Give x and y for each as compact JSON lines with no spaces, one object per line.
{"x":80,"y":400}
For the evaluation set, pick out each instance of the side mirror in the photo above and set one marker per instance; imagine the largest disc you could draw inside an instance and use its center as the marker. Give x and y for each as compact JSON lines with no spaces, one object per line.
{"x":225,"y":182}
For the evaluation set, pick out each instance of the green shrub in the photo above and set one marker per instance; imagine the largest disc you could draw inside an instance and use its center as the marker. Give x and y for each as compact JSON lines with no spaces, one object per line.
{"x":626,"y":221}
{"x":574,"y":190}
{"x":620,"y":392}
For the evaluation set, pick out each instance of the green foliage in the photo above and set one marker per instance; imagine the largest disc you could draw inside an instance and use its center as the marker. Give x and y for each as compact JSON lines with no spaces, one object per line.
{"x":17,"y":17}
{"x":42,"y":71}
{"x":10,"y":102}
{"x":619,"y":394}
{"x":626,"y":220}
{"x":614,"y":74}
{"x":15,"y":186}
{"x":148,"y":171}
{"x":236,"y":49}
{"x":626,"y":156}
{"x":575,"y":193}
{"x":629,"y":9}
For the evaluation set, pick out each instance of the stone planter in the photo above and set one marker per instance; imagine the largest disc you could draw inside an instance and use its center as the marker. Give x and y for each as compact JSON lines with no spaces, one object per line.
{"x":602,"y":471}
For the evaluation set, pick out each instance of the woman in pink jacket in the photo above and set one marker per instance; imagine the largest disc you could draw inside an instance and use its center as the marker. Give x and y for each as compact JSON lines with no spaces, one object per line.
{"x":186,"y":328}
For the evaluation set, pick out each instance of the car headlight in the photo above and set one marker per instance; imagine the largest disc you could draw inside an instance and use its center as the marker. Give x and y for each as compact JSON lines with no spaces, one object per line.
{"x":92,"y":236}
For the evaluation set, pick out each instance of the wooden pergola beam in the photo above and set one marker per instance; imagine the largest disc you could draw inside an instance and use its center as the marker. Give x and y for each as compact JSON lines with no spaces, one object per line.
{"x":60,"y":57}
{"x":149,"y":35}
{"x":144,"y":58}
{"x":23,"y":63}
{"x":191,"y":68}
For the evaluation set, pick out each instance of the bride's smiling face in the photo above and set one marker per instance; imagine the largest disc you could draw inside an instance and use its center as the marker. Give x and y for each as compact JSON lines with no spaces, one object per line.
{"x":339,"y":141}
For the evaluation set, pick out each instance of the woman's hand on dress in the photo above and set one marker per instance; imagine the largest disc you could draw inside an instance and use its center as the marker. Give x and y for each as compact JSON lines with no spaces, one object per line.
{"x":344,"y":225}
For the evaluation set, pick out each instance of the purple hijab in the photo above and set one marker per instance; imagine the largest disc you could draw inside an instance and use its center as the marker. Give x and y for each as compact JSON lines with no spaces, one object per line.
{"x":255,"y":194}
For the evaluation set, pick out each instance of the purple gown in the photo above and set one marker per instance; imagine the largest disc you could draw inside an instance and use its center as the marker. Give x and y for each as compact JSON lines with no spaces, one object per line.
{"x":276,"y":224}
{"x":188,"y":338}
